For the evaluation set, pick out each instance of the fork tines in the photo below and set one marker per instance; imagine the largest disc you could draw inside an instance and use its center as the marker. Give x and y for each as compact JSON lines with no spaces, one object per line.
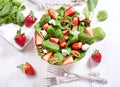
{"x":55,"y":69}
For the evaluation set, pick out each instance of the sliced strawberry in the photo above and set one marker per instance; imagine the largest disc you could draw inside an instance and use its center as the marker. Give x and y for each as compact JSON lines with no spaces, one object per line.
{"x":89,"y":31}
{"x":63,"y":44}
{"x":75,"y":21}
{"x":47,"y":56}
{"x":65,"y":32}
{"x":70,"y":11}
{"x":54,"y":40}
{"x":77,"y":46}
{"x":45,"y":26}
{"x":68,"y":60}
{"x":53,"y":13}
{"x":38,"y":39}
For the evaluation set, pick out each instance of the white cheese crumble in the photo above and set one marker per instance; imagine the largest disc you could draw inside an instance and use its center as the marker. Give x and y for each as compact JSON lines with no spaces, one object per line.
{"x":85,"y":47}
{"x":52,"y":21}
{"x":45,"y":51}
{"x":43,"y":32}
{"x":75,"y":32}
{"x":65,"y":52}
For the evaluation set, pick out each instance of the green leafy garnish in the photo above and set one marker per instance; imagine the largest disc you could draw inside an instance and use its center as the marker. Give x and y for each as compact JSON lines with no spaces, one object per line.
{"x":10,"y":12}
{"x":92,"y":4}
{"x":102,"y":15}
{"x":86,"y":12}
{"x":99,"y":34}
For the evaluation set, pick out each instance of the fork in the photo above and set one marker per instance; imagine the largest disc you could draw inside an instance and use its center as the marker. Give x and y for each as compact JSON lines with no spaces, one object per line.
{"x":59,"y":71}
{"x":56,"y":80}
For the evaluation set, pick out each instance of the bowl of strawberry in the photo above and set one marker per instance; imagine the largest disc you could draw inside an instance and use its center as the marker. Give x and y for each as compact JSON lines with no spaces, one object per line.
{"x":62,"y":38}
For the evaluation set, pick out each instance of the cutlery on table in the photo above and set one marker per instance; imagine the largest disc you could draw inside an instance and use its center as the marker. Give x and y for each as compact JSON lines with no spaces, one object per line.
{"x":93,"y":77}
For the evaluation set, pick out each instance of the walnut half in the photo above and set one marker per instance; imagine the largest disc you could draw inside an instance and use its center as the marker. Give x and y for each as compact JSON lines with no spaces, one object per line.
{"x":75,"y":53}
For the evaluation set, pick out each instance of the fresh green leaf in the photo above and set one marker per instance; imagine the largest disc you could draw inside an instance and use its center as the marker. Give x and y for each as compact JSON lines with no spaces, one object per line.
{"x":58,"y":33}
{"x":44,"y":20}
{"x":19,"y":18}
{"x":6,"y":9}
{"x":99,"y":34}
{"x":48,"y":45}
{"x":59,"y":57}
{"x":102,"y":15}
{"x":22,"y":8}
{"x":92,"y":4}
{"x":86,"y":12}
{"x":51,"y":30}
{"x":85,"y":38}
{"x":61,"y":11}
{"x":72,"y":40}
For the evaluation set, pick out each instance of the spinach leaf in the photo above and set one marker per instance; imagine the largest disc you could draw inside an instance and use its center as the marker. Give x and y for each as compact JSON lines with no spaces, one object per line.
{"x":44,"y":20}
{"x":86,"y":12}
{"x":72,"y":40}
{"x":51,"y":30}
{"x":61,"y":11}
{"x":10,"y":12}
{"x":92,"y":4}
{"x":22,"y":8}
{"x":19,"y":18}
{"x":52,"y":47}
{"x":102,"y":15}
{"x":85,"y":38}
{"x":58,"y":33}
{"x":99,"y":34}
{"x":6,"y":9}
{"x":59,"y":56}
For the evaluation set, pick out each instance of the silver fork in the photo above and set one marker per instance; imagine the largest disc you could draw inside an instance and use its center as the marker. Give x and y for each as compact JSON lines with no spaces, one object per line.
{"x":93,"y":77}
{"x":56,"y":80}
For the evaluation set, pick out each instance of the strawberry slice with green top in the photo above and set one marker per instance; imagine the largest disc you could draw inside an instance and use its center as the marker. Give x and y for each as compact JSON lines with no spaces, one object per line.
{"x":27,"y":69}
{"x":70,"y":11}
{"x":53,"y":13}
{"x":89,"y":31}
{"x":20,"y":38}
{"x":68,"y":60}
{"x":38,"y":39}
{"x":47,"y":56}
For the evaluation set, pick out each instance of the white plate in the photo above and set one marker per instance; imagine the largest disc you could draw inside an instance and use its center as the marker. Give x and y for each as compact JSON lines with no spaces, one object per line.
{"x":8,"y":31}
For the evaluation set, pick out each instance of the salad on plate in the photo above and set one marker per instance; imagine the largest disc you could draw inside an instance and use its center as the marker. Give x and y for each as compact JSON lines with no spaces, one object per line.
{"x":62,"y":37}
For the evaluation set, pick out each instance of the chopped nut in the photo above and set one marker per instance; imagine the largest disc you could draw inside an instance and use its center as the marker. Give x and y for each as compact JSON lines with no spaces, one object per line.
{"x":61,"y":40}
{"x":65,"y":37}
{"x":54,"y":60}
{"x":87,"y":22}
{"x":40,"y":48}
{"x":43,"y":16}
{"x":65,"y":22}
{"x":75,"y":53}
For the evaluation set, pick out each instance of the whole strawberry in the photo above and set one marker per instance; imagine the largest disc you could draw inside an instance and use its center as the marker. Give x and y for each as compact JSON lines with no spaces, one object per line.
{"x":20,"y":38}
{"x":30,"y":19}
{"x":27,"y":69}
{"x":96,"y":56}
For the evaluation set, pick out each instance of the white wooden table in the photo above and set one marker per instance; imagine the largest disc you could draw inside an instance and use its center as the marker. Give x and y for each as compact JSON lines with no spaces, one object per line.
{"x":109,"y":67}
